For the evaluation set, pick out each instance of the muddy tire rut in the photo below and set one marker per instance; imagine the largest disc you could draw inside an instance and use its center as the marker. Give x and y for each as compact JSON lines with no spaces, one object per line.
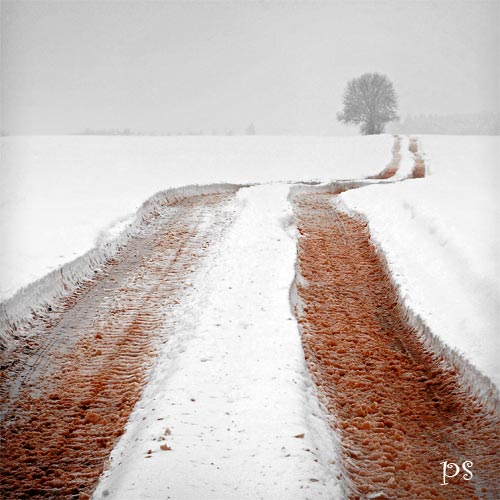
{"x":71,"y":384}
{"x":398,"y":410}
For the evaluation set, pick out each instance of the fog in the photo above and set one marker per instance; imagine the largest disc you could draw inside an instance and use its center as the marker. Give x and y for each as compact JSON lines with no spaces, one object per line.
{"x":217,"y":67}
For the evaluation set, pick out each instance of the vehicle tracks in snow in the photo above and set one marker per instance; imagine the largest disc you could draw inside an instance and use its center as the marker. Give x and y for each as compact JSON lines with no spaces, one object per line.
{"x":392,"y":167}
{"x":68,"y":392}
{"x":398,"y":410}
{"x":70,"y":386}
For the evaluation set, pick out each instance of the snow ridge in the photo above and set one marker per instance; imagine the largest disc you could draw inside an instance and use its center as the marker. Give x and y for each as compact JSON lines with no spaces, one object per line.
{"x":31,"y":303}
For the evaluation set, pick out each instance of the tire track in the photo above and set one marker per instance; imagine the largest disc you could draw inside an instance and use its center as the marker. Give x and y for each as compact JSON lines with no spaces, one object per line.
{"x":398,"y":410}
{"x":419,"y":169}
{"x":393,"y":166}
{"x":69,"y":389}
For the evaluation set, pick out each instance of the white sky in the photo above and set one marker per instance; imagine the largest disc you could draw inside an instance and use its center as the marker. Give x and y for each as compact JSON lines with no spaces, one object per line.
{"x":172,"y":66}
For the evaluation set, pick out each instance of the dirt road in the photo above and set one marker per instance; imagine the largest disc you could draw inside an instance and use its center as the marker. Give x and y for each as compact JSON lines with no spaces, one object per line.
{"x":69,"y":386}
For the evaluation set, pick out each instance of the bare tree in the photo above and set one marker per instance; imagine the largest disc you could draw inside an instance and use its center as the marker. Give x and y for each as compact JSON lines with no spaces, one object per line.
{"x":370,"y":101}
{"x":250,"y":130}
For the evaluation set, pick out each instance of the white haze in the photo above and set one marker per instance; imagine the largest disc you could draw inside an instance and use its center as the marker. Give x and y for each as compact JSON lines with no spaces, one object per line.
{"x":172,"y":67}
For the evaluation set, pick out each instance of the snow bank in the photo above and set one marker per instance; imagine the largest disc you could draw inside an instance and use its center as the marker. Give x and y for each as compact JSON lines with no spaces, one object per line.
{"x":441,"y":238}
{"x":230,"y":398}
{"x":58,"y":194}
{"x":33,"y":300}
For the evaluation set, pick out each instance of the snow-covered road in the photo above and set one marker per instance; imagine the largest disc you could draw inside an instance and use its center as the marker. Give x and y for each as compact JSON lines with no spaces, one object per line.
{"x":230,"y":397}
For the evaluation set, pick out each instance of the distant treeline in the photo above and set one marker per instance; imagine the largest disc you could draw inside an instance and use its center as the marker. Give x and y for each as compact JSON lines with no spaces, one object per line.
{"x":108,"y":131}
{"x":457,"y":124}
{"x":250,"y":130}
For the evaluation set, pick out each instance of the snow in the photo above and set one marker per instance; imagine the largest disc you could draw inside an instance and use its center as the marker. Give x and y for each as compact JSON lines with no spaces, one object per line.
{"x":59,"y":194}
{"x":406,"y":162}
{"x":441,"y":238}
{"x":231,"y":384}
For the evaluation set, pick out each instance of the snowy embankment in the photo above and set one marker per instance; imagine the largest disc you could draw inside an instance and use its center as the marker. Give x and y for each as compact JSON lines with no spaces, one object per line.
{"x":230,"y":410}
{"x":441,"y":239}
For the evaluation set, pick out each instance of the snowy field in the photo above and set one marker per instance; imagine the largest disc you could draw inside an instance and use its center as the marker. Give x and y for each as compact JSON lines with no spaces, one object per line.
{"x":61,"y":196}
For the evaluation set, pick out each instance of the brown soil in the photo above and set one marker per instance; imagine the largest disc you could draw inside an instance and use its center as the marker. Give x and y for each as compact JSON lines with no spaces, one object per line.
{"x":418,"y":169}
{"x":69,"y":387}
{"x":399,"y":412}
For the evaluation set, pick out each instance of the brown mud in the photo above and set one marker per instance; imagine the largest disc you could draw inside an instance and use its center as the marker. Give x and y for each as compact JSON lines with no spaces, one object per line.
{"x":419,"y":163}
{"x":68,"y":389}
{"x":398,"y":410}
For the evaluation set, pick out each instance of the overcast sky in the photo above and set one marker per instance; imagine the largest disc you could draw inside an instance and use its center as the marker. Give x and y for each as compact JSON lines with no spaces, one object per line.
{"x":172,"y":66}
